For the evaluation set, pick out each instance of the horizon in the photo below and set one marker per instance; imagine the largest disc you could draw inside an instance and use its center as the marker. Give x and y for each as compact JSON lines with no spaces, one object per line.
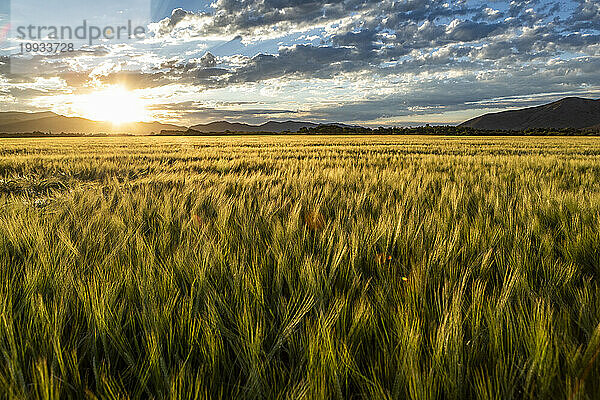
{"x":368,"y":63}
{"x":407,"y":124}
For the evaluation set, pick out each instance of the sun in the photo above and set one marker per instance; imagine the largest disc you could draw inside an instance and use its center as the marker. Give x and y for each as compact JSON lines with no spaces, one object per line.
{"x":114,"y":104}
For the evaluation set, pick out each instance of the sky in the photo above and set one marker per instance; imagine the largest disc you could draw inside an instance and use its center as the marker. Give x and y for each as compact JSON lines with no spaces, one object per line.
{"x":388,"y":62}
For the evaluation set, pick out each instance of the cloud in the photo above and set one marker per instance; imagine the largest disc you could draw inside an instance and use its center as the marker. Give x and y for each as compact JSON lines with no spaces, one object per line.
{"x":255,"y":17}
{"x":208,"y":60}
{"x":469,"y":31}
{"x":196,"y":112}
{"x":586,"y":15}
{"x":298,"y":60}
{"x":181,"y":22}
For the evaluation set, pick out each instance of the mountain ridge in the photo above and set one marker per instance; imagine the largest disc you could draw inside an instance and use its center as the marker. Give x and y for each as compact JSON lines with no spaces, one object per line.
{"x":47,"y":121}
{"x":569,"y":112}
{"x":16,"y":122}
{"x":270,"y":126}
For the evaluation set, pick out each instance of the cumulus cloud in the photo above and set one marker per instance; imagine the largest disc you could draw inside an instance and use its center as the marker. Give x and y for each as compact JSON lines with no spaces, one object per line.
{"x":586,"y":15}
{"x":208,"y":60}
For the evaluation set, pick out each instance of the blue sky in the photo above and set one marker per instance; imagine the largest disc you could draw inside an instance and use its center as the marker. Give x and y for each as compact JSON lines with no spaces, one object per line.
{"x":388,"y":62}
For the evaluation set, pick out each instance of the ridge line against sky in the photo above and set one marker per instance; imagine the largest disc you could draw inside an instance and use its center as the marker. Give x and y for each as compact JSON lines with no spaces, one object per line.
{"x":355,"y":61}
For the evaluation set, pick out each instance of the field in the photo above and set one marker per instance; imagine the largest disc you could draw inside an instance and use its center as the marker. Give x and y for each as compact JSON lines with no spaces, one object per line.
{"x":300,"y":267}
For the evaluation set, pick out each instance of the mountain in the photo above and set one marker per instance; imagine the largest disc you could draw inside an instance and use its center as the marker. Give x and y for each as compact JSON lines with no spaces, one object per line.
{"x":271,"y":126}
{"x":22,"y":122}
{"x":571,"y":112}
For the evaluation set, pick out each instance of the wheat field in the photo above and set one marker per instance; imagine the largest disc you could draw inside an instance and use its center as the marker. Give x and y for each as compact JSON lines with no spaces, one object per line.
{"x":290,"y":267}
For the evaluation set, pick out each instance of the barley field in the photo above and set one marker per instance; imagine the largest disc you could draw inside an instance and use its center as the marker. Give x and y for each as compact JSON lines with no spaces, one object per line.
{"x":300,"y":267}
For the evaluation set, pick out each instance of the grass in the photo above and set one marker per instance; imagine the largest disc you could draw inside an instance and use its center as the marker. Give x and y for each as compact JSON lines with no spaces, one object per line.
{"x":300,"y":267}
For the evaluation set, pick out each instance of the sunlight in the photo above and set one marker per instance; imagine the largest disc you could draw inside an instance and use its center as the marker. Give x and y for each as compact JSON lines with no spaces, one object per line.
{"x":114,"y":104}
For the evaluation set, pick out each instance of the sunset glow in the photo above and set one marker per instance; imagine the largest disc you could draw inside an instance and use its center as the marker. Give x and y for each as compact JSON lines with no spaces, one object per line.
{"x":114,"y":104}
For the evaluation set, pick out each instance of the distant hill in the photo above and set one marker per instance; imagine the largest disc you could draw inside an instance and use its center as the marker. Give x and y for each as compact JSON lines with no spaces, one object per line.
{"x":48,"y":122}
{"x":571,"y":112}
{"x":22,"y":122}
{"x":271,"y":126}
